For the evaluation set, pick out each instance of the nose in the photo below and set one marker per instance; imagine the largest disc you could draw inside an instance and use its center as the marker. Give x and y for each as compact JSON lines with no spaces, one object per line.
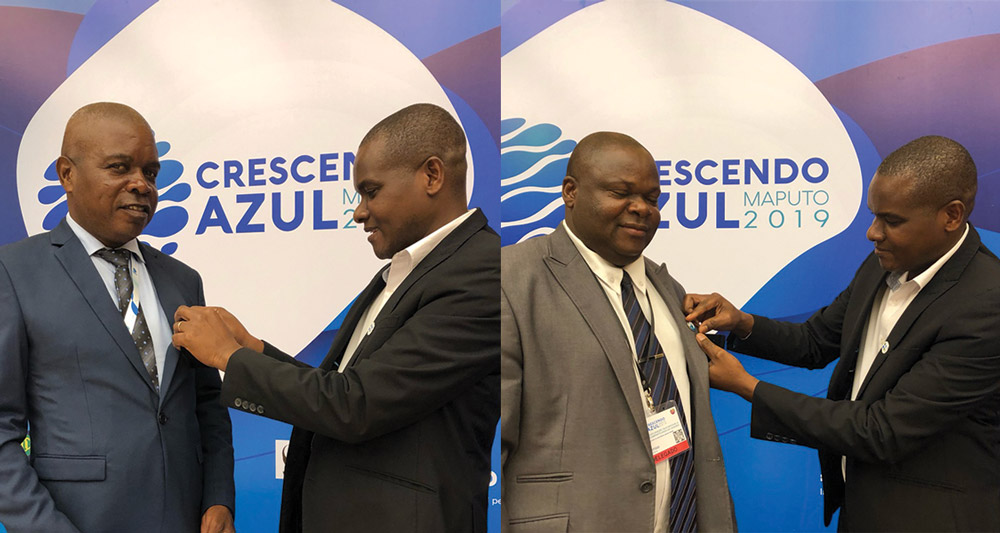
{"x":138,"y":184}
{"x":875,"y":231}
{"x":639,"y":207}
{"x":361,"y":211}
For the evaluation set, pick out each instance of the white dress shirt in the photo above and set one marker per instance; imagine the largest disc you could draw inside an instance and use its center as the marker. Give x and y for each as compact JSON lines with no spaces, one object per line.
{"x":667,"y":332}
{"x":156,"y":320}
{"x":889,"y":305}
{"x":403,"y":262}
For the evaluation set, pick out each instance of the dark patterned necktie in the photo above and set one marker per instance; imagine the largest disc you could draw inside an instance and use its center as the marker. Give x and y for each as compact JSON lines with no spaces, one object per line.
{"x":663,"y":388}
{"x":120,"y":258}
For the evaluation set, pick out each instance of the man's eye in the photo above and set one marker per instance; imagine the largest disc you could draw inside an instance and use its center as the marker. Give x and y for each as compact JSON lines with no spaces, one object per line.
{"x":151,"y":174}
{"x":371,"y":193}
{"x":118,"y":167}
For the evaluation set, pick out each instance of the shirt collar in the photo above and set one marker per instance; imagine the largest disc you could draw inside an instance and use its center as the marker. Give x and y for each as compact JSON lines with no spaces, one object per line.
{"x":609,"y":274}
{"x":91,"y":244}
{"x":404,"y":261}
{"x":894,"y":280}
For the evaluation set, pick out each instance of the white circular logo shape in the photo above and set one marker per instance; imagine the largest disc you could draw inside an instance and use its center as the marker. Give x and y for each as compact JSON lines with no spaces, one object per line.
{"x":262,"y":105}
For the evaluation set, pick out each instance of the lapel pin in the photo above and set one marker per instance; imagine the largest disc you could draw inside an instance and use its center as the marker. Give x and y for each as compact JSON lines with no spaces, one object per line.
{"x":885,"y":346}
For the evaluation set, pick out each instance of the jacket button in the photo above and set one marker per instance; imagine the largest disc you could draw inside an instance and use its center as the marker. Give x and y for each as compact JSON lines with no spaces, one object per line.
{"x":769,"y":436}
{"x":162,"y":418}
{"x":245,"y":404}
{"x":236,"y":402}
{"x":260,"y":409}
{"x":646,"y":486}
{"x":253,"y":407}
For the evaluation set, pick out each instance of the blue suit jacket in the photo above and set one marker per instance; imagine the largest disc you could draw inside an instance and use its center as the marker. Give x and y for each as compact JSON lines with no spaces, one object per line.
{"x":108,"y":452}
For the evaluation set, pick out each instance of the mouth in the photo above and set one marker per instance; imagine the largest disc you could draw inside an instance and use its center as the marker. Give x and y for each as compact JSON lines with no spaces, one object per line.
{"x":638,"y":230}
{"x":136,"y":210}
{"x":371,"y":233}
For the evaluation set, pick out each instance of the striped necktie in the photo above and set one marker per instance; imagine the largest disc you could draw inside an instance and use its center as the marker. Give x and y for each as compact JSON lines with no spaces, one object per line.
{"x":663,"y":388}
{"x":121,"y":258}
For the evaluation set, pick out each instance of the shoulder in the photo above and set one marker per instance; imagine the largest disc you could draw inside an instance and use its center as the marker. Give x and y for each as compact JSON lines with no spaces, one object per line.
{"x":25,"y":252}
{"x":525,"y":252}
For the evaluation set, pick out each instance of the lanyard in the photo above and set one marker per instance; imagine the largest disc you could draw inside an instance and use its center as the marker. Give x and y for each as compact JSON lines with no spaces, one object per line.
{"x":647,"y":389}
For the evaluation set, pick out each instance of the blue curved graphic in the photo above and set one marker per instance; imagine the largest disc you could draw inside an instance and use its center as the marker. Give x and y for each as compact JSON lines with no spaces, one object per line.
{"x":531,"y":200}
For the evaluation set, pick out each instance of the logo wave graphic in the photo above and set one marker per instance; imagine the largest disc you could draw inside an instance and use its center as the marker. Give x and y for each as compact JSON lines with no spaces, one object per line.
{"x":167,"y":221}
{"x":532,"y":167}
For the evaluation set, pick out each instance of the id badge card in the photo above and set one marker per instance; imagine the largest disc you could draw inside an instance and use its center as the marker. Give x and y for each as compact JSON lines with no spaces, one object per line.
{"x":667,"y":433}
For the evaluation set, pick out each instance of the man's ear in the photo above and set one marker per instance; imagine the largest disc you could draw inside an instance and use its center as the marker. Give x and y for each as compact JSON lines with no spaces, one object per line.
{"x":64,"y":169}
{"x":433,"y":175}
{"x":954,"y":215}
{"x":569,"y":188}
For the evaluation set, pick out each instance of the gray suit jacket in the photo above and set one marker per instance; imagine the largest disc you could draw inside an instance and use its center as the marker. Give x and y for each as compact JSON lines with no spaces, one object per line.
{"x":575,"y":448}
{"x":108,"y":452}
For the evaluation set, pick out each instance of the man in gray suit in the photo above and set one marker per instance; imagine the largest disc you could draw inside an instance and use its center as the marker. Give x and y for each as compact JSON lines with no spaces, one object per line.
{"x":597,"y":360}
{"x":126,"y":434}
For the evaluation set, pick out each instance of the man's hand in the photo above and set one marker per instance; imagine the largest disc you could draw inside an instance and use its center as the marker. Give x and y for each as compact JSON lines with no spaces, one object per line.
{"x":712,"y":311}
{"x":240,"y":333}
{"x":217,"y":519}
{"x":203,"y":332}
{"x":725,"y":371}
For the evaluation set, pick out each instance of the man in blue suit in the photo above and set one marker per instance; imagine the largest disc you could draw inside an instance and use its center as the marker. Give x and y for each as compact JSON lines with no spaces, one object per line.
{"x":127,"y":434}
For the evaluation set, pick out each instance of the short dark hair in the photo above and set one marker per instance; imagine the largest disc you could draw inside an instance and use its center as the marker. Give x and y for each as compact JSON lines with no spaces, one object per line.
{"x":590,"y":146}
{"x":939,"y":169}
{"x":419,"y":131}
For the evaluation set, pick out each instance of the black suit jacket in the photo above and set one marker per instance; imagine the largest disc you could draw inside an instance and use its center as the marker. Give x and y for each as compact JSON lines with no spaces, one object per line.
{"x":400,"y":441}
{"x":922,"y":440}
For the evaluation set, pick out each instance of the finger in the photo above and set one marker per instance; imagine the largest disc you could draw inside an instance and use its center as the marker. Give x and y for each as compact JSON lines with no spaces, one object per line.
{"x":182,"y":313}
{"x":703,"y":309}
{"x":690,"y":301}
{"x":177,"y":340}
{"x":709,"y":347}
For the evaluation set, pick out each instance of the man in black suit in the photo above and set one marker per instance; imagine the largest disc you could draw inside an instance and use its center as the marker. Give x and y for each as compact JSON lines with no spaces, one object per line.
{"x":908,"y":433}
{"x":393,"y":430}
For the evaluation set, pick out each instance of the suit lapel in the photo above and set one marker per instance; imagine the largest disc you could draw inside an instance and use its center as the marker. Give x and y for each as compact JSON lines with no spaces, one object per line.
{"x":350,"y":323}
{"x":942,"y":281}
{"x":584,"y":290}
{"x":80,"y":268}
{"x":697,"y":361}
{"x":445,"y":249}
{"x":870,"y":279}
{"x":168,"y":293}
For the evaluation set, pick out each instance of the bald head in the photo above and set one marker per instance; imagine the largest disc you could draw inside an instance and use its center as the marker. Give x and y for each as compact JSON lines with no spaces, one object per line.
{"x":410,"y":136}
{"x":937,"y":170}
{"x":590,"y":153}
{"x":108,"y":168}
{"x":611,"y":192}
{"x":79,"y":131}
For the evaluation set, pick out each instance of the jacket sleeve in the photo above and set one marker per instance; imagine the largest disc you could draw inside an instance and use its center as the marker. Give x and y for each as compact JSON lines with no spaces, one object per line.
{"x":422,"y":359}
{"x":25,"y":504}
{"x":511,"y":368}
{"x":812,"y":344}
{"x":949,"y":380}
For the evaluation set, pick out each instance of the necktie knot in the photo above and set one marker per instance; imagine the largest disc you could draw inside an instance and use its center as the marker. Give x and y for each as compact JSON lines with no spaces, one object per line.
{"x":118,"y":257}
{"x":626,"y":283}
